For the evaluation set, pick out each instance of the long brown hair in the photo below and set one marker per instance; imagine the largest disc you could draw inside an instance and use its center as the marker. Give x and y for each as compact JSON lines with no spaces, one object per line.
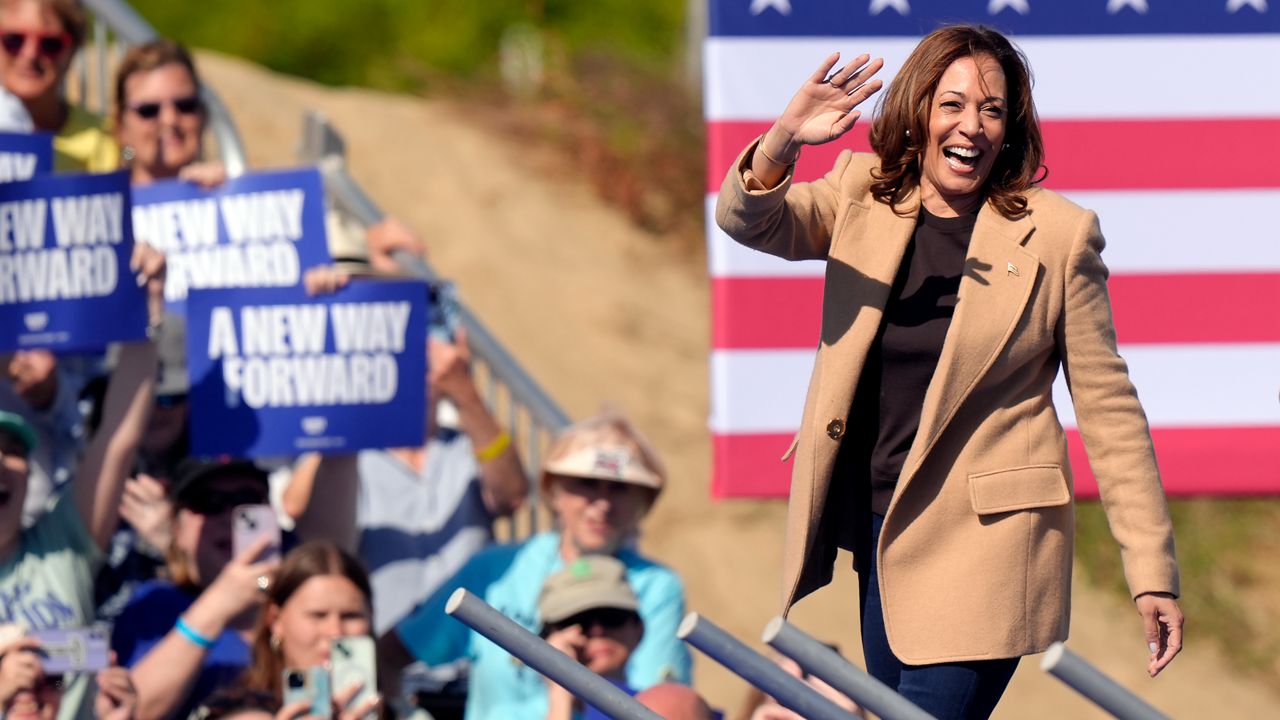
{"x":312,"y":559}
{"x":900,"y":132}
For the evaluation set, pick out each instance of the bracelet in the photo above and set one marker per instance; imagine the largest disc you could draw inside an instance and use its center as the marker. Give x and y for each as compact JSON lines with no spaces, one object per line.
{"x":772,"y":159}
{"x":495,"y":448}
{"x":189,"y":633}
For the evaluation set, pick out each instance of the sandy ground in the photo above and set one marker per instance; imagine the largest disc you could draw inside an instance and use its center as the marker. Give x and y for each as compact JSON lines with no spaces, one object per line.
{"x":599,"y":312}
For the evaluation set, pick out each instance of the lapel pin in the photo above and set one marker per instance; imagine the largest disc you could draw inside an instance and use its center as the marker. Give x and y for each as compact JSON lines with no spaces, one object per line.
{"x":1013,"y":270}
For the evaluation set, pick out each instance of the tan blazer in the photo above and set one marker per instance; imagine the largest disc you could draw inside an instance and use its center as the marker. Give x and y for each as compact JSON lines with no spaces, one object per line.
{"x":974,"y":558}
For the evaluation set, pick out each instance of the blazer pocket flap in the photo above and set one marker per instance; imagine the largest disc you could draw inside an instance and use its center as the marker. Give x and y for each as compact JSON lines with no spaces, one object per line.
{"x":1020,"y":488}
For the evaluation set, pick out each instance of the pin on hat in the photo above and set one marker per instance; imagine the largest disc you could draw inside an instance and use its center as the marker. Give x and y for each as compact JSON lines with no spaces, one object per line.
{"x":605,"y":447}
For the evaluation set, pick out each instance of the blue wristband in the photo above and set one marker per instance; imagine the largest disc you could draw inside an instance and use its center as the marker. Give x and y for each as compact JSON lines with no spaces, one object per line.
{"x":189,"y":633}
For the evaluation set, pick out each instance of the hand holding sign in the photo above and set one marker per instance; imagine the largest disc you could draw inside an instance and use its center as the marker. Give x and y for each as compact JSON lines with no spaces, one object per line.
{"x":149,"y":264}
{"x":449,"y":367}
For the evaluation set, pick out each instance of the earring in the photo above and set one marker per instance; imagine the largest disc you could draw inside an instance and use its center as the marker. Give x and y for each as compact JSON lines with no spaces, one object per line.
{"x":1006,"y":146}
{"x":908,"y":134}
{"x":127,"y":154}
{"x":275,"y":643}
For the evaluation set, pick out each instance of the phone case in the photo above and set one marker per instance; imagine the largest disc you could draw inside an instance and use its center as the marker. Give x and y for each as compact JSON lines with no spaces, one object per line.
{"x":353,"y":660}
{"x":312,"y":685}
{"x":73,"y":650}
{"x":250,"y":522}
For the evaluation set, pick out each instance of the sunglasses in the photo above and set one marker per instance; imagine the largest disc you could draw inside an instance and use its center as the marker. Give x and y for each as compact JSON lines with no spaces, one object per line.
{"x":151,"y":110}
{"x":607,"y":618}
{"x":216,"y":503}
{"x":171,"y":401}
{"x":48,"y":45}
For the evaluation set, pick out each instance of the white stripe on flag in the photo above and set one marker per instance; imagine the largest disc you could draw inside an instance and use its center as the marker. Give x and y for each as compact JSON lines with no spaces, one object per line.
{"x":1168,"y":231}
{"x":1124,"y":76}
{"x":762,"y":391}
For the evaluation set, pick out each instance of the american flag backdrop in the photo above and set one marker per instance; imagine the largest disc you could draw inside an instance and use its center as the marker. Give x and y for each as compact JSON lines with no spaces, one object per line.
{"x":1161,"y":115}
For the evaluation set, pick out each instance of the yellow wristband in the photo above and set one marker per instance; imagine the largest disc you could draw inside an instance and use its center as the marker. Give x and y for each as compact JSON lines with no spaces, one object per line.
{"x":495,"y":448}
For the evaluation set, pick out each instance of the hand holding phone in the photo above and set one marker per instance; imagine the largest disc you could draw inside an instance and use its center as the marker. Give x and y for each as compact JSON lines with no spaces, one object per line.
{"x":310,"y":685}
{"x":353,"y":662}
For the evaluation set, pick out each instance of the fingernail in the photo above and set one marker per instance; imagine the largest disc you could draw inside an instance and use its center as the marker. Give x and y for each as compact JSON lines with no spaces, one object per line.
{"x":142,"y":279}
{"x":1152,"y":647}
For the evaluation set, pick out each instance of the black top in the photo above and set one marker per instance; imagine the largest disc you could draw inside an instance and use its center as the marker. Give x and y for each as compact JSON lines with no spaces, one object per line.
{"x":904,"y":355}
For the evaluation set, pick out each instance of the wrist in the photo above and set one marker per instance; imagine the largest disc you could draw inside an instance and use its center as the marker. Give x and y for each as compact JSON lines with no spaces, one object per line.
{"x":780,"y":145}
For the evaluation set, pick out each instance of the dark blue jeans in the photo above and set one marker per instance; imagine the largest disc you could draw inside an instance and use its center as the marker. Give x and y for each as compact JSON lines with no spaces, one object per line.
{"x":948,"y":691}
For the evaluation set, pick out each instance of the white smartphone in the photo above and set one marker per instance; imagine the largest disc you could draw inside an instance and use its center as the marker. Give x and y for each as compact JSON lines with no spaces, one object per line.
{"x":353,"y":660}
{"x":312,"y":685}
{"x":250,"y":522}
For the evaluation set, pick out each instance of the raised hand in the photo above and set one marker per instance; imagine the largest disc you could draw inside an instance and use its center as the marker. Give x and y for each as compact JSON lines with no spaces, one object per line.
{"x":149,"y":264}
{"x":449,"y":366}
{"x":145,"y":505}
{"x":19,"y":667}
{"x":823,"y":108}
{"x":117,"y":698}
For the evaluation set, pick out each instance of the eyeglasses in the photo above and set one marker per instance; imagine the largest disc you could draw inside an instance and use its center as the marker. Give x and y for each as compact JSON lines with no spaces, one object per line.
{"x":216,"y":503}
{"x":151,"y":110}
{"x":607,"y":618}
{"x":48,"y":45}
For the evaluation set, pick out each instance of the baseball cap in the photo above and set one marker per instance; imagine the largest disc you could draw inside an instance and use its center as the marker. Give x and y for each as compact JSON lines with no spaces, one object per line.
{"x":591,"y":582}
{"x":605,"y":447}
{"x":194,"y":472}
{"x":16,"y":425}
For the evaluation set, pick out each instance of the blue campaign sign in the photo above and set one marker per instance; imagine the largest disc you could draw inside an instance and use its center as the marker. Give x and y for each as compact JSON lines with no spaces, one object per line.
{"x":65,"y":282}
{"x":276,"y":372}
{"x":263,"y":229}
{"x":25,"y":155}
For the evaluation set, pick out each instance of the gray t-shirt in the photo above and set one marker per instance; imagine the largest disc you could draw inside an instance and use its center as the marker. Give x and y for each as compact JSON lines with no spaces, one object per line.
{"x":417,"y":529}
{"x":48,"y":584}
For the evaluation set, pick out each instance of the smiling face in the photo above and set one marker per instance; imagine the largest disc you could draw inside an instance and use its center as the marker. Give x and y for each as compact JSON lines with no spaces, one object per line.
{"x":323,"y":608}
{"x":33,"y":66}
{"x":162,"y":120}
{"x":965,"y":132}
{"x":596,"y":516}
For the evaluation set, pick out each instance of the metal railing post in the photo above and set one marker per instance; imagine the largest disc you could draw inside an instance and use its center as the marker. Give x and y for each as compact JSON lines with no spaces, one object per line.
{"x":537,"y":654}
{"x":758,"y":670}
{"x":1090,"y":682}
{"x":822,"y":662}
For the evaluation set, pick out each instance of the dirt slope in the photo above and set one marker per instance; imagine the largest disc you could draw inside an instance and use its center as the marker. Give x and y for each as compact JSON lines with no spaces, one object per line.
{"x":600,"y":312}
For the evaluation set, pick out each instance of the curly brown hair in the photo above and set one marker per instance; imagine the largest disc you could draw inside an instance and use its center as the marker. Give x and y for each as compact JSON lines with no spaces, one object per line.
{"x":900,"y":132}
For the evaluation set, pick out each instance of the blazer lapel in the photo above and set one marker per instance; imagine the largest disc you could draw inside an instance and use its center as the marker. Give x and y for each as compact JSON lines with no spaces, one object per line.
{"x":998,"y":277}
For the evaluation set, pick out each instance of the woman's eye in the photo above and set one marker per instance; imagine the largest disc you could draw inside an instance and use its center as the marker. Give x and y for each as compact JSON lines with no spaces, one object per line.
{"x":994,"y":111}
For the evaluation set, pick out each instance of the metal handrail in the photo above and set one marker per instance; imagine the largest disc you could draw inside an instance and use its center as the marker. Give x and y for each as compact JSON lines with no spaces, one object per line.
{"x":130,"y":28}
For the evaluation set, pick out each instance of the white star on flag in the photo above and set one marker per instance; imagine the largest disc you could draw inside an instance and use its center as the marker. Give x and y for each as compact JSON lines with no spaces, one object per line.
{"x":878,"y":6}
{"x":782,"y":6}
{"x":1115,"y":6}
{"x":1020,"y":6}
{"x":1234,"y":5}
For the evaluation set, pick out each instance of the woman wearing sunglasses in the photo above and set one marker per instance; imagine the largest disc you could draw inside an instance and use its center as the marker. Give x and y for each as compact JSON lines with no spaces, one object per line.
{"x":160,"y":118}
{"x":38,"y":38}
{"x":189,"y":634}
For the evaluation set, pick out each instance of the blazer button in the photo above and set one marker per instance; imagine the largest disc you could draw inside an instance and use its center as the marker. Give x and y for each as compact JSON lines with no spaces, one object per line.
{"x":835,"y":429}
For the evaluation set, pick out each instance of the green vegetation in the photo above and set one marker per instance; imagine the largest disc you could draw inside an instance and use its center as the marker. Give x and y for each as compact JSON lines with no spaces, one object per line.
{"x":611,"y":95}
{"x":1227,"y":552}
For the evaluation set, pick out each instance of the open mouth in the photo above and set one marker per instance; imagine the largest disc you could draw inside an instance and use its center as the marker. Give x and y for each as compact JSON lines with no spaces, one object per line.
{"x":961,"y":158}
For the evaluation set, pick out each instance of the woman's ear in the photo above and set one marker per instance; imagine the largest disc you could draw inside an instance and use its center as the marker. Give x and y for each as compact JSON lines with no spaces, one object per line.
{"x":273,"y":623}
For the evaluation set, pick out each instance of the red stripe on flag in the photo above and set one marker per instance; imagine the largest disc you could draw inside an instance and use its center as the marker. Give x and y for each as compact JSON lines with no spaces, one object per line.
{"x":771,"y":313}
{"x":1082,"y":154}
{"x":1193,"y":461}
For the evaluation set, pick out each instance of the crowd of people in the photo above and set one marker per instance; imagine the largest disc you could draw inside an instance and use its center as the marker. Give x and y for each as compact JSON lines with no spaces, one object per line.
{"x":107,"y":519}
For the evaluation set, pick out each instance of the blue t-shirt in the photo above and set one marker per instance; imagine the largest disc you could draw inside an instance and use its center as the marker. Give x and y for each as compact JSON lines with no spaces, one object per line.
{"x":151,"y":614}
{"x":510,"y":577}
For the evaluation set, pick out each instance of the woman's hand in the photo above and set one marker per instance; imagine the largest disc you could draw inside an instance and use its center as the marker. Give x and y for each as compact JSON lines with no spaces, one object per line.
{"x":342,"y":701}
{"x":823,"y":108}
{"x":117,"y":698}
{"x":449,"y":367}
{"x":145,"y":506}
{"x":296,"y":710}
{"x":238,"y":588}
{"x":324,"y":280}
{"x":207,"y":175}
{"x":149,"y":264}
{"x":19,"y":667}
{"x":1162,"y":620}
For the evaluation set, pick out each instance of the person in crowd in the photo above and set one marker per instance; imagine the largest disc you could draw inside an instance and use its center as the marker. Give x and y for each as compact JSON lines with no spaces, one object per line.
{"x":191,"y":632}
{"x":47,"y":570}
{"x":589,"y":612}
{"x":956,"y":289}
{"x":415,"y":515}
{"x":27,"y":693}
{"x":138,"y":551}
{"x":320,"y":593}
{"x":39,"y":39}
{"x":599,"y":478}
{"x":46,"y":389}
